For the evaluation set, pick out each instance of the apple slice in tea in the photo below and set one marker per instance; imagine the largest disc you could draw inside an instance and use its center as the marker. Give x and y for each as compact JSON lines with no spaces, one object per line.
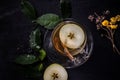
{"x":69,"y":35}
{"x":72,"y":36}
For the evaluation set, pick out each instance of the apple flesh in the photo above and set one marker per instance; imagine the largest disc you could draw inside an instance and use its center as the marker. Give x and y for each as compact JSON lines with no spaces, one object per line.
{"x":72,"y":35}
{"x":55,"y":72}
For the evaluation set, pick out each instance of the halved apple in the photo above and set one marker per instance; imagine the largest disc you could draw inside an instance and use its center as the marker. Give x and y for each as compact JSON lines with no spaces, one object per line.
{"x":55,"y":72}
{"x":72,"y":35}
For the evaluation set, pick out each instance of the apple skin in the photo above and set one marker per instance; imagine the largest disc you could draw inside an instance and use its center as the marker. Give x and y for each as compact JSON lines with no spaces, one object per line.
{"x":56,"y":70}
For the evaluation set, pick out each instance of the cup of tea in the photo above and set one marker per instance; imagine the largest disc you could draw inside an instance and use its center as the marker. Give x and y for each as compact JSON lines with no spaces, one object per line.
{"x":69,"y":38}
{"x":69,"y":43}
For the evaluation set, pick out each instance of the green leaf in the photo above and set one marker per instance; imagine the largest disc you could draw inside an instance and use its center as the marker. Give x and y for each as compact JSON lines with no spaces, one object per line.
{"x":28,"y":9}
{"x":48,"y":20}
{"x":42,"y":54}
{"x":26,"y":59}
{"x":66,"y":8}
{"x":35,"y":39}
{"x":40,"y":67}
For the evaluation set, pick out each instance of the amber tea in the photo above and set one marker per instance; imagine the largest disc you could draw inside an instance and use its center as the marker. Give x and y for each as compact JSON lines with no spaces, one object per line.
{"x":69,"y":38}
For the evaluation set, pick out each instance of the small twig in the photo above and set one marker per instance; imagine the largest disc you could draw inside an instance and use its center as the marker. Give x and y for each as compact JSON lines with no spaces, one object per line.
{"x":57,"y":45}
{"x":66,"y":51}
{"x":116,"y":49}
{"x":70,"y":56}
{"x":107,"y":30}
{"x":113,"y":32}
{"x":107,"y":36}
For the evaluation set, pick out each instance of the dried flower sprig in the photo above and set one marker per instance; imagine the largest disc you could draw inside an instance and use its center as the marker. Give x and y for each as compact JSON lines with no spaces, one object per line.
{"x":108,"y":25}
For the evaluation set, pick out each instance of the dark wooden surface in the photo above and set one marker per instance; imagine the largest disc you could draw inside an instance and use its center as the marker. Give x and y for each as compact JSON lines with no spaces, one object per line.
{"x":15,"y":29}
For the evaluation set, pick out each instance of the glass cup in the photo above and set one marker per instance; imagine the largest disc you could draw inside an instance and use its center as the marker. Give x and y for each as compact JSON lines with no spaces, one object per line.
{"x":60,"y":47}
{"x":59,"y":52}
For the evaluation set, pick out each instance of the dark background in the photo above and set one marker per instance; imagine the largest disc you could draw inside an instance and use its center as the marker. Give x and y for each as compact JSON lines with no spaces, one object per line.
{"x":15,"y":28}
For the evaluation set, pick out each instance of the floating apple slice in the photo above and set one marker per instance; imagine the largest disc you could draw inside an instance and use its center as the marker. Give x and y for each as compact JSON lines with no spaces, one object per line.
{"x":55,"y":72}
{"x":72,"y":35}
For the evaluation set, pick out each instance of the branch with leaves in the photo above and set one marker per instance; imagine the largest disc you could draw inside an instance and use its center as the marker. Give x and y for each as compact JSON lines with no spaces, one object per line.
{"x":48,"y":21}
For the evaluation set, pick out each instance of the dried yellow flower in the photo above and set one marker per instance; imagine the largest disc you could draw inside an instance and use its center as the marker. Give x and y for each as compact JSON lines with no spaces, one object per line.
{"x":117,"y":18}
{"x":108,"y":25}
{"x":113,"y":26}
{"x":113,"y":20}
{"x":105,"y":23}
